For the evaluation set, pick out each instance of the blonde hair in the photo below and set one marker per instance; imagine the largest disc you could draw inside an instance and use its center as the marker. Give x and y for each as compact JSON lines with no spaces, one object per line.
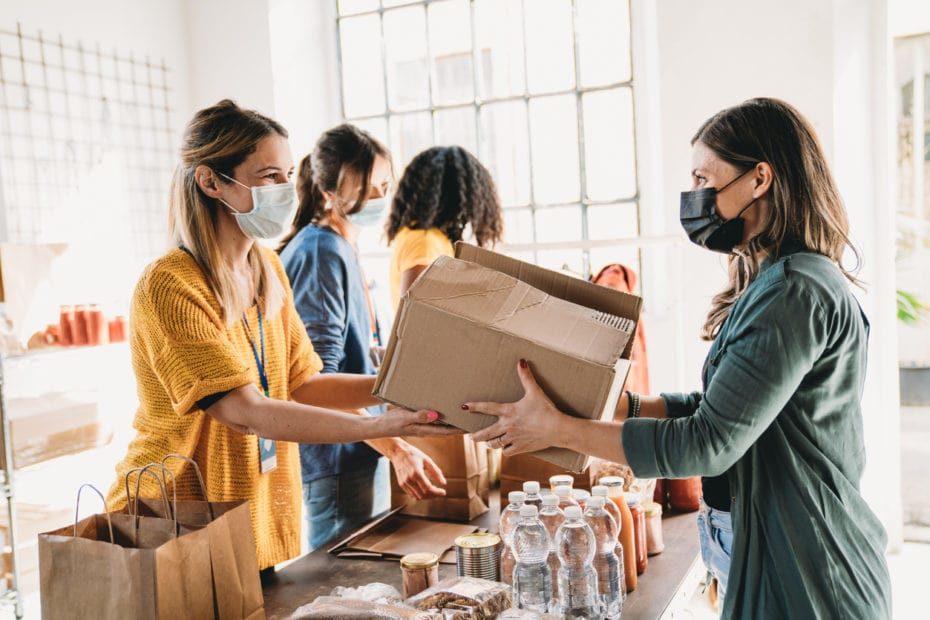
{"x":806,"y":212}
{"x":221,"y":137}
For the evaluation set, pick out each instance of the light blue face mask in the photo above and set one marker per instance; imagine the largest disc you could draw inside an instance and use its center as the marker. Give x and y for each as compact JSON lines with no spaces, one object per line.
{"x":371,"y":214}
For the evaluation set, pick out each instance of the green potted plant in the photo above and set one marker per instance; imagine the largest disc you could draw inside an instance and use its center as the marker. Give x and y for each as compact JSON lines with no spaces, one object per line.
{"x":915,"y":379}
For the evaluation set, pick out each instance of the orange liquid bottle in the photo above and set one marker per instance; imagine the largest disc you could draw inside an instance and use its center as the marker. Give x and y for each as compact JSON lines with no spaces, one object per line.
{"x":627,"y":533}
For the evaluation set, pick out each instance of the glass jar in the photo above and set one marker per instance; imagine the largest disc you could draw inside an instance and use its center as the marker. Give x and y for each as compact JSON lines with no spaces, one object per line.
{"x":654,"y":543}
{"x":420,"y":571}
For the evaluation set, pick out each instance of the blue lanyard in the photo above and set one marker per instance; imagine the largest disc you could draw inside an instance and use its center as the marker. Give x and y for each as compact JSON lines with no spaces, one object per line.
{"x":260,"y":362}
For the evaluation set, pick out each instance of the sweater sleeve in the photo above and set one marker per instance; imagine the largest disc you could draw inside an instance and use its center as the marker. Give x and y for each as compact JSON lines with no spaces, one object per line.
{"x":765,"y":361}
{"x":681,"y":404}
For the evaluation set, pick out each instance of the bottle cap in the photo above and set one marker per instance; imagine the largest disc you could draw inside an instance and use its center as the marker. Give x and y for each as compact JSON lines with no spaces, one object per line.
{"x":599,"y":491}
{"x":632,"y":499}
{"x":652,"y":509}
{"x":562,"y":492}
{"x":580,"y":495}
{"x":573,"y":512}
{"x":531,"y":487}
{"x":561,"y":480}
{"x":550,"y":500}
{"x":516,"y":497}
{"x":596,"y":502}
{"x":610,"y":481}
{"x":529,"y":511}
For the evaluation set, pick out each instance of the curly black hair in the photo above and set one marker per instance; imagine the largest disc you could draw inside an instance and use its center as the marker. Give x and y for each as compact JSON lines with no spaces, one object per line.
{"x":446,"y":187}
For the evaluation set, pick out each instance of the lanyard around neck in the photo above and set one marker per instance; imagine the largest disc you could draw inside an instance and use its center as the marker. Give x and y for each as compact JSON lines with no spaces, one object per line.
{"x":259,"y":361}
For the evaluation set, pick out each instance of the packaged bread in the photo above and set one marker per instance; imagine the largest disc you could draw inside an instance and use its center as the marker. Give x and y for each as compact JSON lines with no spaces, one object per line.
{"x":464,"y":598}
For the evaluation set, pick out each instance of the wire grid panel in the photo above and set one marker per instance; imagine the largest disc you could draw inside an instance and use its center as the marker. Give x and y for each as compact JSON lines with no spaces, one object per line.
{"x":540,"y":90}
{"x":86,"y":150}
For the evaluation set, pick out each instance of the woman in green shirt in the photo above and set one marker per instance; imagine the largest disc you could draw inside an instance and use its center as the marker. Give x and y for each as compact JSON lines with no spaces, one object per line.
{"x":780,"y":412}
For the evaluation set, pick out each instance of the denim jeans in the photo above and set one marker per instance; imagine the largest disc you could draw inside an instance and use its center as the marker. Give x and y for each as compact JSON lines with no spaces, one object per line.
{"x":716,"y":534}
{"x":336,"y":505}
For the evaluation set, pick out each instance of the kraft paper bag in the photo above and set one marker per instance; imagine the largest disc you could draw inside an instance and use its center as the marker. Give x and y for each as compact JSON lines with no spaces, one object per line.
{"x":464,"y":463}
{"x":515,"y":470}
{"x":117,"y":565}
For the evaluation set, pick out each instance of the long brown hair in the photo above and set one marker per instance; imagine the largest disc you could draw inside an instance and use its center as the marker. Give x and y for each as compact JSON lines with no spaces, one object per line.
{"x":446,"y":187}
{"x":220,"y":137}
{"x":805,"y":206}
{"x":345,"y":151}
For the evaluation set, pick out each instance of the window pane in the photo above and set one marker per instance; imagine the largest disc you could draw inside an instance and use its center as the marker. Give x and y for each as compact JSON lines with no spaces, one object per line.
{"x":376,"y":127}
{"x":410,"y":134}
{"x":362,"y":71}
{"x":609,"y":144}
{"x":554,"y":129}
{"x":566,"y":261}
{"x":499,"y":39}
{"x":617,"y":221}
{"x":550,"y":56}
{"x":405,"y":44}
{"x":558,"y":224}
{"x":604,"y":33}
{"x":505,"y":150}
{"x":518,"y":226}
{"x":450,"y":48}
{"x":457,"y":126}
{"x":347,"y":7}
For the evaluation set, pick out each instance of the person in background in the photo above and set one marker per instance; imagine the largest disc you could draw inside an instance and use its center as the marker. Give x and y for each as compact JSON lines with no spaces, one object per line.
{"x":226,"y":374}
{"x":444,"y":190}
{"x":622,"y":278}
{"x":779,"y":421}
{"x":342,"y":186}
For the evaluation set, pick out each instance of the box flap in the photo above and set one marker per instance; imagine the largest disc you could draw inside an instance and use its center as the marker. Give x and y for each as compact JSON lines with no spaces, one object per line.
{"x":559,"y":285}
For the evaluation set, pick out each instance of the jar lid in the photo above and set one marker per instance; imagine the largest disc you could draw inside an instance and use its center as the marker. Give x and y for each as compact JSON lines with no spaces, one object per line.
{"x":419,"y":560}
{"x":653,"y":509}
{"x":480,"y":540}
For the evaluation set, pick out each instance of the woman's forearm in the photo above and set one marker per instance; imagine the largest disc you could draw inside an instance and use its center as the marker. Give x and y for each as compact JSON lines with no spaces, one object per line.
{"x":592,"y":437}
{"x":337,"y":391}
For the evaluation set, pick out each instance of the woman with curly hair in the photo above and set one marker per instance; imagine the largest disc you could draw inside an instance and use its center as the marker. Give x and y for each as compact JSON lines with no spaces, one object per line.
{"x":444,"y":190}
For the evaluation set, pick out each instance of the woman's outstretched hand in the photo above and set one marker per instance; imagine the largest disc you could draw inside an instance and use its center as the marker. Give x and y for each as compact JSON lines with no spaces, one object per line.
{"x":530,"y":424}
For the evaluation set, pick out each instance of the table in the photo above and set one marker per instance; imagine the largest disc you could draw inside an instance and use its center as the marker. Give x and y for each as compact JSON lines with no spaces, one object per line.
{"x":669,"y":581}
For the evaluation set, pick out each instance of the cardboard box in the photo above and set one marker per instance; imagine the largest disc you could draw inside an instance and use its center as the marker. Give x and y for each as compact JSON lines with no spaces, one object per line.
{"x":515,"y":470}
{"x":465,"y":323}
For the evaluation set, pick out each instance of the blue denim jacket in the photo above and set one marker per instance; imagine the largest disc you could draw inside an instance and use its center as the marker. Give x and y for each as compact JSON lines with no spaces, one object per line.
{"x":330,"y":298}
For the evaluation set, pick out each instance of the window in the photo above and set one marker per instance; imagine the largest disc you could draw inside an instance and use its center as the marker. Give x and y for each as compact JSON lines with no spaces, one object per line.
{"x":541,"y":91}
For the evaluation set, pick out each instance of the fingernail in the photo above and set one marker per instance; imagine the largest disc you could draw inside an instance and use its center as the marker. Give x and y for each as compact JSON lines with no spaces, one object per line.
{"x":522,"y":363}
{"x":433,"y":416}
{"x":464,"y":407}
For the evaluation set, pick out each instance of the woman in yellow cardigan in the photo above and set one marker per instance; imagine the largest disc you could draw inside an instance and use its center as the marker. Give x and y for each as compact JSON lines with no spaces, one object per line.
{"x":226,"y":374}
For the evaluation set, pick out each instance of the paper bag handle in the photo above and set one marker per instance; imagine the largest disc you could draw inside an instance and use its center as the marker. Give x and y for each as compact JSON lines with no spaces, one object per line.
{"x":165,"y":472}
{"x":203,"y":487}
{"x":133,"y":500}
{"x":77,"y":508}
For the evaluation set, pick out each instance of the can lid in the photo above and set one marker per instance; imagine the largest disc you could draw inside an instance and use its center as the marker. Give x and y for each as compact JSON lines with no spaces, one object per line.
{"x":529,"y":511}
{"x":531,"y":487}
{"x":653,"y":509}
{"x":480,"y":540}
{"x":419,"y":560}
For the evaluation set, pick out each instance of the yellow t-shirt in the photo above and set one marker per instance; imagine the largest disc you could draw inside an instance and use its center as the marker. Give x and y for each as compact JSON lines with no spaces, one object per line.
{"x":415,"y":248}
{"x":182,"y":352}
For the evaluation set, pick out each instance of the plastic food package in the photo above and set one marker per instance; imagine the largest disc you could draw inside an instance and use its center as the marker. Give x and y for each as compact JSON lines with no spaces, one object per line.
{"x":373,"y":592}
{"x":464,"y":598}
{"x":335,"y":608}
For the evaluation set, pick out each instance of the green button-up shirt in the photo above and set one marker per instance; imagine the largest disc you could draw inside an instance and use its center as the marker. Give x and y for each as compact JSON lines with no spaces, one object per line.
{"x":781,"y":416}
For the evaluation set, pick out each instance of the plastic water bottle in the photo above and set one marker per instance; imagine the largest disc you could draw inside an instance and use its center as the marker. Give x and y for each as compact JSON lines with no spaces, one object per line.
{"x":552,"y":517}
{"x":601,"y":491}
{"x":510,"y":517}
{"x":533,"y":498}
{"x":575,"y":544}
{"x":581,"y":496}
{"x":606,"y":561}
{"x":565,"y":497}
{"x":532,"y":578}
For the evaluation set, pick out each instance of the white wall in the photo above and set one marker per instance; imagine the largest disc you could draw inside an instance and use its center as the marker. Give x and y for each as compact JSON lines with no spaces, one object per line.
{"x":828,"y":59}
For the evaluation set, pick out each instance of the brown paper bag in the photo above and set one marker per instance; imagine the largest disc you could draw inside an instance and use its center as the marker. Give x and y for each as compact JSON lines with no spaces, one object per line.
{"x":104,"y":567}
{"x":464,"y":463}
{"x":236,"y":583}
{"x":515,"y":470}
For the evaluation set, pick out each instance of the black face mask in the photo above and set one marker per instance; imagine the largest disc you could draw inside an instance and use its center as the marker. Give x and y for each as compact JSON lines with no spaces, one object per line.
{"x":698,"y":214}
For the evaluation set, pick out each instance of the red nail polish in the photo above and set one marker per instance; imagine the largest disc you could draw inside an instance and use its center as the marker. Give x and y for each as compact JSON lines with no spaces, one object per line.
{"x":464,"y":407}
{"x":522,"y":363}
{"x":433,"y":416}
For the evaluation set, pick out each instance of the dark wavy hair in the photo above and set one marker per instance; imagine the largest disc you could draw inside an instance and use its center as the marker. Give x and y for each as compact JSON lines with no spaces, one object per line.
{"x":446,"y":187}
{"x":341,"y":151}
{"x":806,"y":208}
